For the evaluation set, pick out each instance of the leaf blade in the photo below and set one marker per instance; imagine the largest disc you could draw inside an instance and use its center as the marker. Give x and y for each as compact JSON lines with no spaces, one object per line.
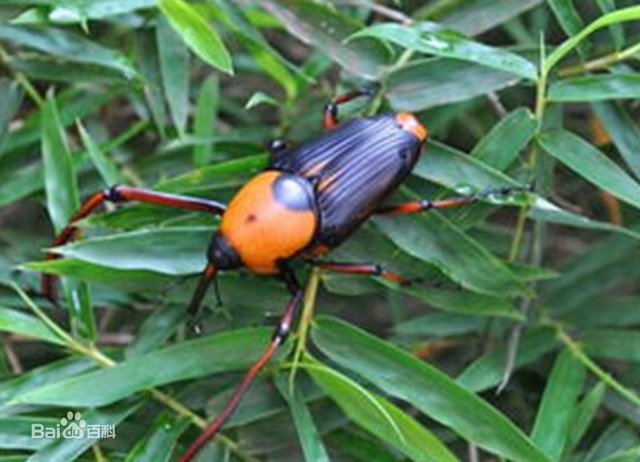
{"x":196,"y":32}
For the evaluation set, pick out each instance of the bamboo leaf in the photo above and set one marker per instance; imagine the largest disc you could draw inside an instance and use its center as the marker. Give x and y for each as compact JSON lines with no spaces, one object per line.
{"x":196,"y":32}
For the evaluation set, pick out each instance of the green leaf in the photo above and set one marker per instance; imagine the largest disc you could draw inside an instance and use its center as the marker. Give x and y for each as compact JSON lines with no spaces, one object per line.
{"x":616,"y":31}
{"x":380,"y":417}
{"x":440,"y":325}
{"x":620,"y":312}
{"x":205,"y":119}
{"x":427,"y":38}
{"x":584,"y":415}
{"x":312,"y":447}
{"x":234,"y":17}
{"x":226,"y":174}
{"x":146,"y":49}
{"x":108,"y":170}
{"x":462,"y":301}
{"x":631,"y":13}
{"x":68,"y":46}
{"x":586,"y":277}
{"x":174,"y":67}
{"x":158,"y":444}
{"x":228,"y":351}
{"x":439,"y":81}
{"x":553,"y":422}
{"x":60,"y":182}
{"x":501,"y":146}
{"x":133,"y":280}
{"x":596,"y":88}
{"x":62,"y":203}
{"x":72,"y":105}
{"x":623,"y":344}
{"x":260,"y":97}
{"x":458,"y":171}
{"x":68,"y":449}
{"x":21,"y":323}
{"x":427,"y":389}
{"x":543,"y":210}
{"x":624,"y":132}
{"x":630,"y":455}
{"x":568,"y":18}
{"x":15,"y":432}
{"x":197,"y":33}
{"x":612,"y":443}
{"x":436,"y":240}
{"x":164,"y":251}
{"x":591,"y":164}
{"x":360,"y":447}
{"x":476,"y":16}
{"x":156,"y":330}
{"x":322,"y":27}
{"x":82,"y":10}
{"x":487,"y":370}
{"x":50,"y":373}
{"x":11,"y":95}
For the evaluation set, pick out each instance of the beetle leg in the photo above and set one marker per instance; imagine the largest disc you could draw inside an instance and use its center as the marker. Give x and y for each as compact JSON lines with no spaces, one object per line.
{"x":372,"y":269}
{"x":279,"y":336}
{"x":426,"y":204}
{"x":118,"y":194}
{"x":330,"y":118}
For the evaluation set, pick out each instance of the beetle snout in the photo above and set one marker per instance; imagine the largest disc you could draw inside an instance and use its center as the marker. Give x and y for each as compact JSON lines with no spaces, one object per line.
{"x":408,"y":122}
{"x":222,"y":254}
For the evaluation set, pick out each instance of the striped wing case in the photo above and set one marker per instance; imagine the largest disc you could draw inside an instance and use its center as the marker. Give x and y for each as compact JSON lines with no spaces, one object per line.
{"x":352,"y":167}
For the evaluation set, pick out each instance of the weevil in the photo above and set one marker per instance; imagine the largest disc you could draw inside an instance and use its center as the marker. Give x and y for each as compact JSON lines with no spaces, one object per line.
{"x":307,"y":201}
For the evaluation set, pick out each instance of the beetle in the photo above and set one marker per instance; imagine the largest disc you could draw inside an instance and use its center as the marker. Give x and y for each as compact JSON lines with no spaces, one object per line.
{"x":307,"y":201}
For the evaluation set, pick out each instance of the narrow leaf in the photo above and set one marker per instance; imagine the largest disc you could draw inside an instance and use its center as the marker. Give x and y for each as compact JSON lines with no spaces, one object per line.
{"x":312,"y":447}
{"x":321,"y":26}
{"x":205,"y":119}
{"x":174,"y":67}
{"x":108,"y":170}
{"x":553,"y":422}
{"x":596,"y":88}
{"x":438,"y":81}
{"x":158,"y":445}
{"x":429,"y":390}
{"x":502,"y":145}
{"x":68,"y":449}
{"x":427,"y":38}
{"x":229,"y":351}
{"x":164,"y":251}
{"x":68,"y":46}
{"x":631,"y":13}
{"x":380,"y":417}
{"x":60,"y":182}
{"x":623,"y":130}
{"x":477,"y":16}
{"x":591,"y":164}
{"x":21,"y":323}
{"x":487,"y":370}
{"x":11,"y":96}
{"x":197,"y":33}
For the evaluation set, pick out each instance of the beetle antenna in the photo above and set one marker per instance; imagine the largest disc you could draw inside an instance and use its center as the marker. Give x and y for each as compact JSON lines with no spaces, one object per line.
{"x":207,"y":276}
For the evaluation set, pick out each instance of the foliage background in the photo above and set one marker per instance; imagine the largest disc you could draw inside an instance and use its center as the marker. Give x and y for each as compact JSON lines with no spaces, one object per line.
{"x":532,"y":295}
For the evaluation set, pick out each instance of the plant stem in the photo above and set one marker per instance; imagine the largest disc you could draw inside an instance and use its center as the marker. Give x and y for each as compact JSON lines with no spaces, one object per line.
{"x":604,"y":376}
{"x":600,"y":63}
{"x":306,"y":318}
